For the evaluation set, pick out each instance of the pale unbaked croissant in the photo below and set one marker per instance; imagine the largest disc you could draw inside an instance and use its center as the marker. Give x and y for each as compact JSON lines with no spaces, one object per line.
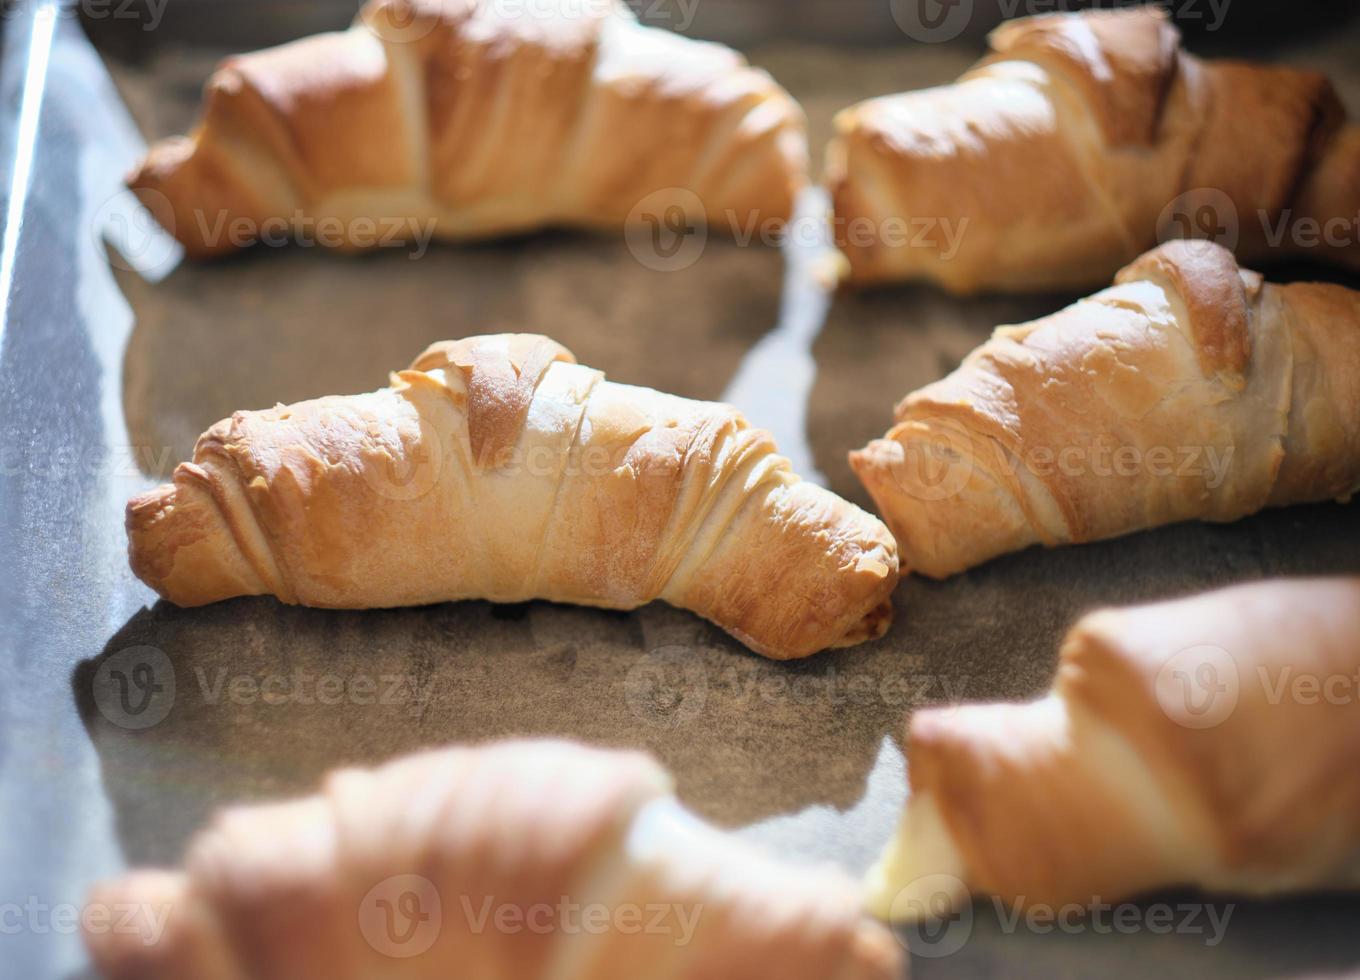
{"x":483,"y":117}
{"x":512,"y":861}
{"x":1210,"y":741}
{"x":498,"y":468}
{"x":1053,"y":162}
{"x":1188,"y":390}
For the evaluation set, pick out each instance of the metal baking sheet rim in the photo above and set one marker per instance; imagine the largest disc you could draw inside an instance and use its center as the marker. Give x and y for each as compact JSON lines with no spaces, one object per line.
{"x":54,"y":382}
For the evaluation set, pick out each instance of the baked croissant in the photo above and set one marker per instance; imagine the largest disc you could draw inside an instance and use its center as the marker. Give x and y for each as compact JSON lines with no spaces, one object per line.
{"x":481,"y":119}
{"x":1064,"y":154}
{"x":498,"y":468}
{"x":1188,"y":390}
{"x":1213,"y":739}
{"x":506,"y":862}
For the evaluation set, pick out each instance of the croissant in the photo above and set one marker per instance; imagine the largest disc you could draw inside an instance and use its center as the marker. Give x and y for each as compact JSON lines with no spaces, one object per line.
{"x":1212,"y":738}
{"x":1066,"y":151}
{"x":1190,"y":389}
{"x":516,"y":860}
{"x":474,"y":118}
{"x":498,"y":468}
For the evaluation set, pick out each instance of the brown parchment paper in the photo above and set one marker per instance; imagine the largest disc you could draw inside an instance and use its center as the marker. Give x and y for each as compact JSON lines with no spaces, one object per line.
{"x":805,"y":756}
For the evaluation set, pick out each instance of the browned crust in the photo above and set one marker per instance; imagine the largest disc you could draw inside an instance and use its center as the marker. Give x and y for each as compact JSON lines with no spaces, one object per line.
{"x":500,"y":387}
{"x":437,"y":489}
{"x":1122,"y":61}
{"x":480,"y":122}
{"x":1301,"y":111}
{"x":187,"y":542}
{"x":1082,"y":140}
{"x":1209,"y":282}
{"x":1257,"y":405}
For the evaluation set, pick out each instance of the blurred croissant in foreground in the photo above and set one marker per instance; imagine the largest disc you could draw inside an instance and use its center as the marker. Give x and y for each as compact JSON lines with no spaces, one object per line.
{"x":475,"y":118}
{"x":1082,"y":140}
{"x":1210,"y":741}
{"x":498,"y":468}
{"x":513,"y":861}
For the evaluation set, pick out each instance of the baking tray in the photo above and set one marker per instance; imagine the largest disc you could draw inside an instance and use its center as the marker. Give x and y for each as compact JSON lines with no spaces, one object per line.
{"x":112,"y":361}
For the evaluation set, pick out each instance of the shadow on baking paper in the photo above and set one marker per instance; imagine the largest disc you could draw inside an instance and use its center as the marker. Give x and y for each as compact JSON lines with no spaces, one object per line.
{"x":284,"y":324}
{"x":191,"y":709}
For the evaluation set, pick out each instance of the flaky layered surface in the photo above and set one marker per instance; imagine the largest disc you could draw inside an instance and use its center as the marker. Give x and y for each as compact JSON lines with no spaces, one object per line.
{"x":497,"y":468}
{"x":1188,"y":390}
{"x":1208,"y":741}
{"x":1080,"y":141}
{"x":476,"y":118}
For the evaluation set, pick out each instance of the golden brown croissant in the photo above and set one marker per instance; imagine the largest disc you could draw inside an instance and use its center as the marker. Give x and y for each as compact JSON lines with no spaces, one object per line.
{"x":1188,"y":390}
{"x":506,"y":862}
{"x":1212,"y":739}
{"x":498,"y":468}
{"x":1064,"y":154}
{"x":476,"y":118}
